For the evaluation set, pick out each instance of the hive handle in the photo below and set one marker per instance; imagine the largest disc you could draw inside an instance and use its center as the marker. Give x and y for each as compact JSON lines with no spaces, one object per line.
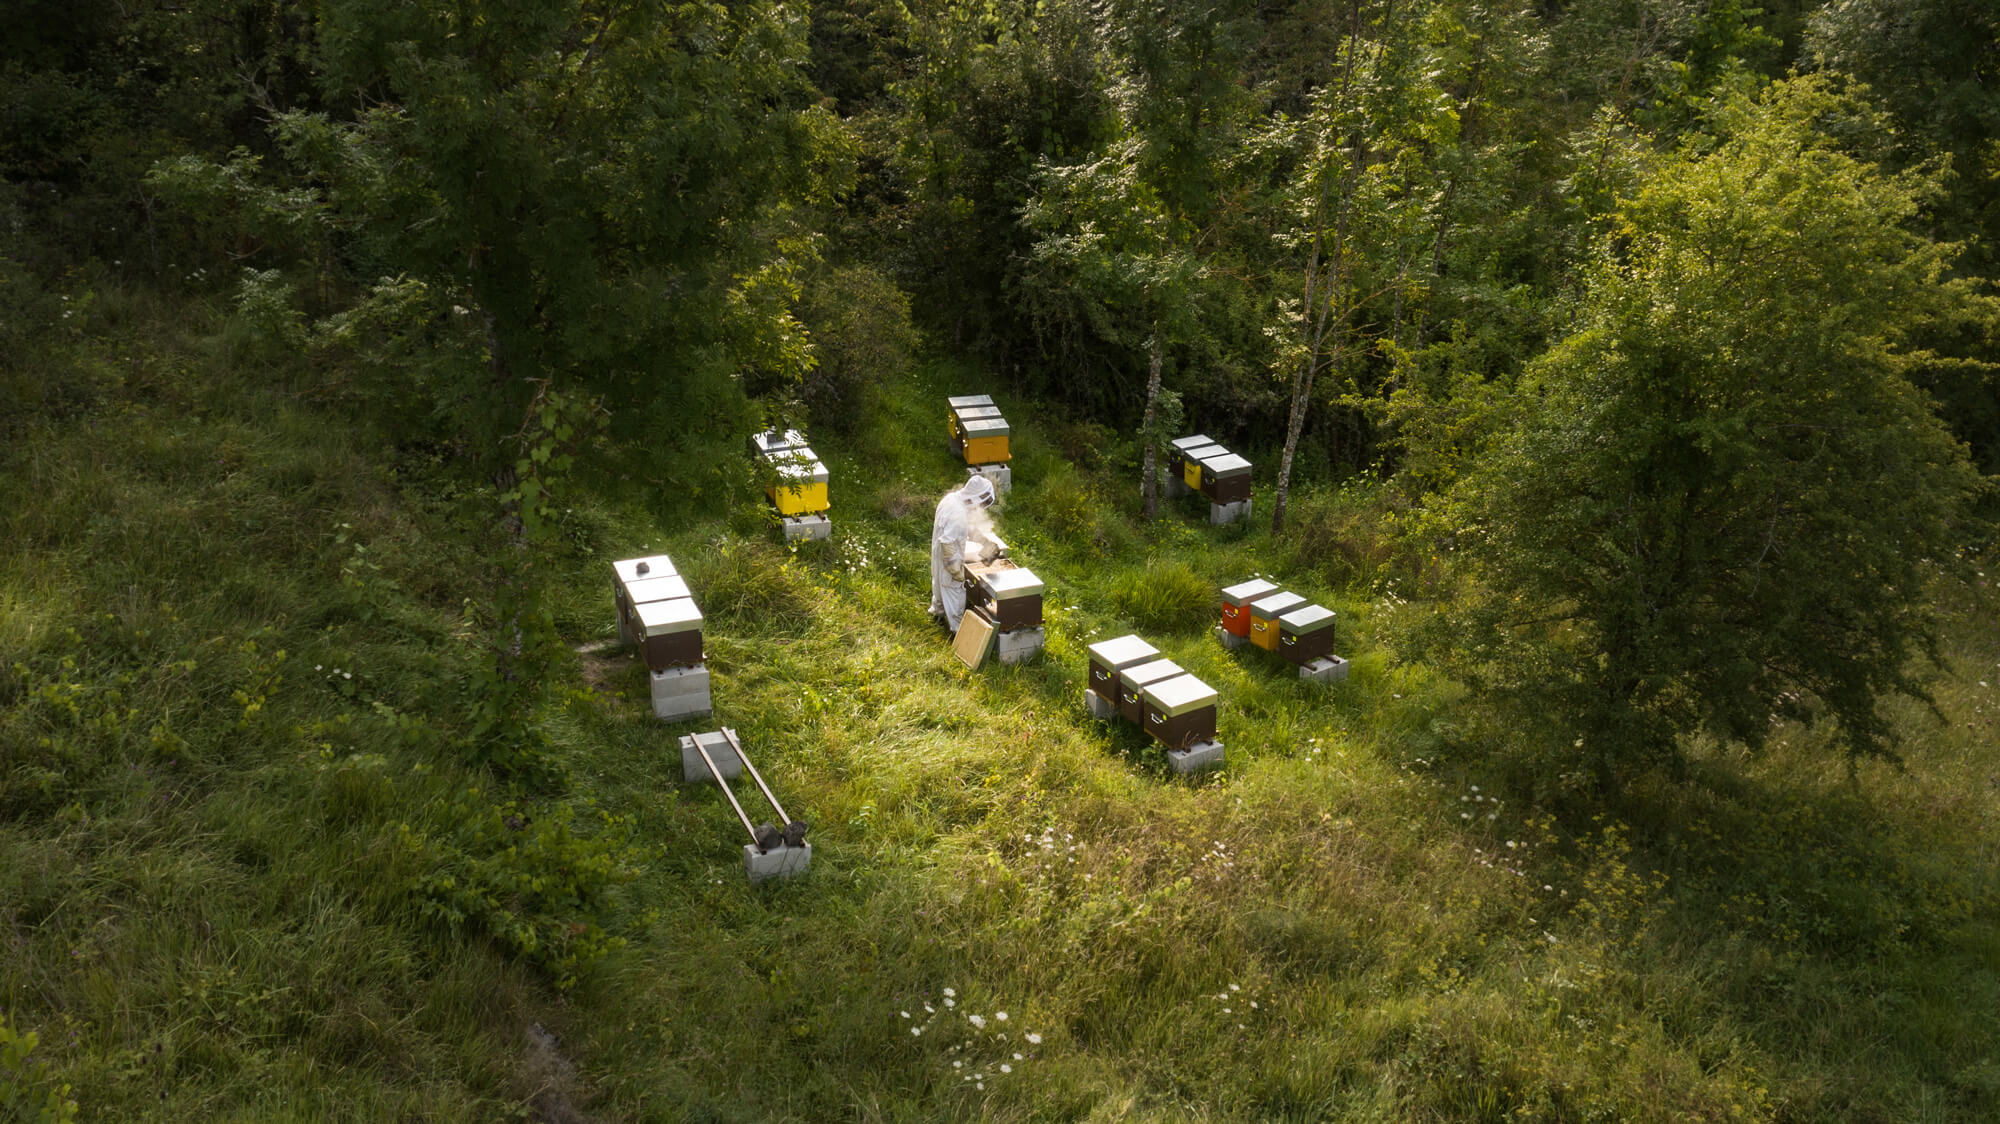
{"x":724,"y":786}
{"x":755,"y":775}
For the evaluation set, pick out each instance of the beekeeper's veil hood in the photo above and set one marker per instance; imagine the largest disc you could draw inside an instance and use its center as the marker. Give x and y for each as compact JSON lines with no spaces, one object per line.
{"x":979,"y":490}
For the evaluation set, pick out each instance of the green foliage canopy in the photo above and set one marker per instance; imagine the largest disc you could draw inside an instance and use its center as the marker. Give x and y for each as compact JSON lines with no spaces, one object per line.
{"x":1718,"y":502}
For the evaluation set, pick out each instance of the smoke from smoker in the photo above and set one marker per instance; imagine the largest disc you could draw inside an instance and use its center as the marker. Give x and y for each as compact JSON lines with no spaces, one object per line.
{"x":979,"y":532}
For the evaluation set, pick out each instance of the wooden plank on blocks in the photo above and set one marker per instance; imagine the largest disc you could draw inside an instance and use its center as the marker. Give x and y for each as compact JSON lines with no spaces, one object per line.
{"x":975,"y":639}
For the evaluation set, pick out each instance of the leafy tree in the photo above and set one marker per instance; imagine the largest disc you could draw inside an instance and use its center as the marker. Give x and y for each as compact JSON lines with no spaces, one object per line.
{"x":94,"y":91}
{"x":1365,"y":203}
{"x":991,"y":92}
{"x":1722,"y":490}
{"x":1124,"y":234}
{"x":862,"y":334}
{"x":1935,"y":66}
{"x":593,"y":205}
{"x":1618,"y":53}
{"x":1935,"y":62}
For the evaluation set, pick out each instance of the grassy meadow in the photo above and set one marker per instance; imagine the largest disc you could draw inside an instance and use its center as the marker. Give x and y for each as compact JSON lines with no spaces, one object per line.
{"x":247,"y":871}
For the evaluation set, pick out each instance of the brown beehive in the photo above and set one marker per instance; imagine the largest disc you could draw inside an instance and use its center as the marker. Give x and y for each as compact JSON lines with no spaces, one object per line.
{"x":1225,"y":478}
{"x":1133,"y":680}
{"x":669,"y":633}
{"x":636,"y":569}
{"x":1180,"y":712}
{"x":1109,"y":657}
{"x":1305,"y":634}
{"x":1012,"y":593}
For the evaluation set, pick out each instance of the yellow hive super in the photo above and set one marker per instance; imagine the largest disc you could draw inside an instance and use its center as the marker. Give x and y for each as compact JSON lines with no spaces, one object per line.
{"x":798,"y":491}
{"x":799,"y":499}
{"x":1264,"y":614}
{"x":986,"y":450}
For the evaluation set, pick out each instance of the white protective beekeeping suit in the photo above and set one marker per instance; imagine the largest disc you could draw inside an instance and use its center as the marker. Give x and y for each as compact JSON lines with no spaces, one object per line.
{"x":949,"y":531}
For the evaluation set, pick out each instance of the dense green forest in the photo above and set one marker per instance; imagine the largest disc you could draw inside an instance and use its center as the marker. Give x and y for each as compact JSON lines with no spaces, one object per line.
{"x":1624,"y":373}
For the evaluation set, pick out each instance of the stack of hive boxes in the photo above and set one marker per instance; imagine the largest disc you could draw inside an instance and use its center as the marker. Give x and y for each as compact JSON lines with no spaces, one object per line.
{"x":1276,"y":620}
{"x":657,"y":614}
{"x":795,"y":483}
{"x":1222,"y":477}
{"x":980,"y":436}
{"x":1128,"y":679}
{"x":1005,"y":599}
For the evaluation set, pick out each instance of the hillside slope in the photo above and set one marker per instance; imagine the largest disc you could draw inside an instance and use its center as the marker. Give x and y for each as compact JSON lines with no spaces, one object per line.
{"x":247,"y":873}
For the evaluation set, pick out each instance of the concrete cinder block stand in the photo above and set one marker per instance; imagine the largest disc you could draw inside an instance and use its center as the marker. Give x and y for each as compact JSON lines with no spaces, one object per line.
{"x":1019,"y":645}
{"x":720,"y":750}
{"x":680,"y":692}
{"x":1197,"y":757}
{"x":1326,"y":669}
{"x":1221,"y":513}
{"x":1099,"y":707}
{"x":1229,"y":639}
{"x":776,"y":862}
{"x":813,"y":526}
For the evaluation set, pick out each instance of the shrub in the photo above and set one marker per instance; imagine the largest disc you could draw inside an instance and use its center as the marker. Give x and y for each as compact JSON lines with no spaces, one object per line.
{"x":1337,"y":536}
{"x":523,"y":876}
{"x":861,"y":330}
{"x":1086,"y":444}
{"x":1165,"y":596}
{"x":1070,"y":509}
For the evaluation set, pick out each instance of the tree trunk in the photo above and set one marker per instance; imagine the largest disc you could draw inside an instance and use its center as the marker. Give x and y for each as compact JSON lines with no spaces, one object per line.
{"x":1324,"y":288}
{"x":1149,"y":486}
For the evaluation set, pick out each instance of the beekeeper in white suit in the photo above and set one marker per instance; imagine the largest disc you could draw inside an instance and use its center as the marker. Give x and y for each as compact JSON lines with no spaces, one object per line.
{"x":959,"y":514}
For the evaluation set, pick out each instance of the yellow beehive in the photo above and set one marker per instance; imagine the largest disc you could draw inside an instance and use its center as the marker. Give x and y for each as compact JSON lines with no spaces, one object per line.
{"x":800,"y":488}
{"x":986,"y":441}
{"x":1191,"y":464}
{"x":1264,"y":614}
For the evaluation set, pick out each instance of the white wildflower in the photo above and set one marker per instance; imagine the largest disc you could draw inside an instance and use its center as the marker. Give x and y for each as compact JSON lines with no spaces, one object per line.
{"x":1035,"y":1039}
